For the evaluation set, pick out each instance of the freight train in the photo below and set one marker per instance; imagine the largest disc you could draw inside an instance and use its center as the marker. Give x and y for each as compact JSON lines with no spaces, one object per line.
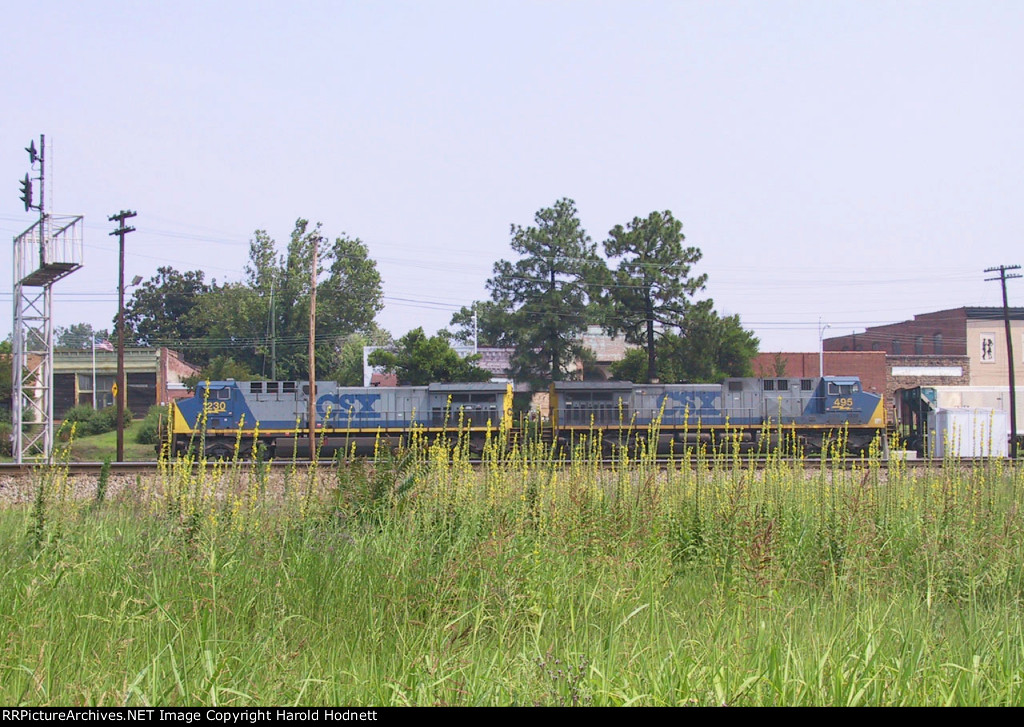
{"x":748,"y":413}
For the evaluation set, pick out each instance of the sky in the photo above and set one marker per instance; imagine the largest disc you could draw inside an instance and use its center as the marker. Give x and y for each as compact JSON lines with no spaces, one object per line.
{"x":852,"y":163}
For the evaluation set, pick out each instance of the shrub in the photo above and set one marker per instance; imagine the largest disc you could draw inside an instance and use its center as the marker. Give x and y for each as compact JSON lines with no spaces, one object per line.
{"x":6,"y":431}
{"x":90,"y":421}
{"x":151,"y":427}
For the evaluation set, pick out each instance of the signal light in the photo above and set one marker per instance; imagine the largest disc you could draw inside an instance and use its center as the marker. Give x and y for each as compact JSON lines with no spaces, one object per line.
{"x":26,"y":192}
{"x":31,"y":149}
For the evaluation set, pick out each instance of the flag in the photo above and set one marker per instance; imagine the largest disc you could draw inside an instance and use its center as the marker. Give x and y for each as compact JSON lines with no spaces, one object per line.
{"x":104,"y":345}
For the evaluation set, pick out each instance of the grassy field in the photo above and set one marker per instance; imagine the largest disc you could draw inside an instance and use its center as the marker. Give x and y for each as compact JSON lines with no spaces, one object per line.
{"x":413,"y":579}
{"x":101,"y":446}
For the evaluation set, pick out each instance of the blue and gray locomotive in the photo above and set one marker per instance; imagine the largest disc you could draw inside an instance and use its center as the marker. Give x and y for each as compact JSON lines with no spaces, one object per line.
{"x":747,"y":412}
{"x":273,"y":415}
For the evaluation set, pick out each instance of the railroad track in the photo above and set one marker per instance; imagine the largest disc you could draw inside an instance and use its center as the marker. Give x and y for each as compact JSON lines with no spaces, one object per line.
{"x":11,"y":469}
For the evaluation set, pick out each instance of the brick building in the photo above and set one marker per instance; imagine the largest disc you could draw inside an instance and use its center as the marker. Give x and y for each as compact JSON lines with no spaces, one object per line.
{"x":153,"y":376}
{"x":949,"y":347}
{"x":870,"y":366}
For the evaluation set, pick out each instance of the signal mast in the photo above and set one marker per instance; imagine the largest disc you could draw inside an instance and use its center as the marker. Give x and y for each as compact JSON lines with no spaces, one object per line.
{"x":43,"y":254}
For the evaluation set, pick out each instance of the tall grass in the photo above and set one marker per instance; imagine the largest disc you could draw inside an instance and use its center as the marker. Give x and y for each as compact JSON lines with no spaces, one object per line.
{"x":534,"y":578}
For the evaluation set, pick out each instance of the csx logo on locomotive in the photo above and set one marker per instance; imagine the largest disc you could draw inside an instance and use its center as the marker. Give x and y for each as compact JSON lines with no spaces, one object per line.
{"x":693,"y":400}
{"x":359,"y":406}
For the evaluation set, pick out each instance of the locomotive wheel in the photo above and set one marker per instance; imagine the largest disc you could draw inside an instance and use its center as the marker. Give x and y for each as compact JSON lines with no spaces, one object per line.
{"x":219,"y":450}
{"x":812,"y":444}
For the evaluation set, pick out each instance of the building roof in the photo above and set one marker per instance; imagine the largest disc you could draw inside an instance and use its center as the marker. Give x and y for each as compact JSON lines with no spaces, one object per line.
{"x":383,"y":379}
{"x":496,"y":360}
{"x":993,"y":313}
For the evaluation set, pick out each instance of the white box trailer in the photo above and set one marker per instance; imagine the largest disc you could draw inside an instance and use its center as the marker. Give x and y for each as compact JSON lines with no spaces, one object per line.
{"x":968,"y":432}
{"x":978,"y":397}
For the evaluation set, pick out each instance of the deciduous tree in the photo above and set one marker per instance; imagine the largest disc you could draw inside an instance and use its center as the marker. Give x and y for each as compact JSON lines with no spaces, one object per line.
{"x":77,"y":335}
{"x":264,"y":322}
{"x":706,"y":349}
{"x":492,"y":326}
{"x":418,"y":360}
{"x":159,"y":312}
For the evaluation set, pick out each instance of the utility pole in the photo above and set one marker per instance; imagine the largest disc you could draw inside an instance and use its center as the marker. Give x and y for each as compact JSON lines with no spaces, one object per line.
{"x":1003,"y":277}
{"x":120,"y":386}
{"x":821,"y":346}
{"x":273,"y":334}
{"x":312,"y":354}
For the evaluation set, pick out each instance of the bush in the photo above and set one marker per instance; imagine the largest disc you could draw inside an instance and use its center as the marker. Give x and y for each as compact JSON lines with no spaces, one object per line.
{"x":6,"y":445}
{"x":152,"y":426}
{"x":90,"y":421}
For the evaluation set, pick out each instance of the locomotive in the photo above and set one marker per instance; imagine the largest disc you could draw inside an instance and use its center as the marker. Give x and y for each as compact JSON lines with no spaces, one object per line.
{"x":745,"y":412}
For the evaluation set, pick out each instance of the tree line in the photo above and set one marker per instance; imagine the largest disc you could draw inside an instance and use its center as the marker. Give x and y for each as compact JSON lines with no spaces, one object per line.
{"x":642,"y":288}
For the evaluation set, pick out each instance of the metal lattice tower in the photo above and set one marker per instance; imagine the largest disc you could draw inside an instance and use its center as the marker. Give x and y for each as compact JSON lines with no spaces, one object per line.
{"x":43,"y":254}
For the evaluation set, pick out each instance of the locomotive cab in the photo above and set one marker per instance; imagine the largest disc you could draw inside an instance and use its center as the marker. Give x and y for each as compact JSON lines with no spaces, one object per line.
{"x":218,"y":406}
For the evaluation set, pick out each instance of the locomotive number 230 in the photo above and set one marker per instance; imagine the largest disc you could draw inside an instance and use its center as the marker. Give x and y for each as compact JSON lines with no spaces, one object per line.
{"x":215,"y":407}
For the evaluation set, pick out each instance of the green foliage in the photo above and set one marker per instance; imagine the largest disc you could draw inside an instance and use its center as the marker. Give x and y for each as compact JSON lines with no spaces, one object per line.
{"x":103,"y":481}
{"x":89,"y":421}
{"x":418,"y":360}
{"x":709,"y":348}
{"x":546,"y":292}
{"x":542,"y":304}
{"x":589,"y":370}
{"x":652,"y":284}
{"x":524,"y":581}
{"x":221,"y":368}
{"x":153,"y":426}
{"x":265,"y":319}
{"x":6,"y":382}
{"x":233,"y":318}
{"x":346,"y":366}
{"x":77,"y":336}
{"x":161,"y":311}
{"x":6,"y":432}
{"x":492,"y":327}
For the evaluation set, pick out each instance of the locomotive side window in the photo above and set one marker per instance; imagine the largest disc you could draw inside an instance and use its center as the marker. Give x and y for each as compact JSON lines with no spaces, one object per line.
{"x":806,"y":384}
{"x":271,"y":387}
{"x":256,"y":387}
{"x":769,"y":385}
{"x":288,"y":387}
{"x":783,"y":384}
{"x":223,"y":393}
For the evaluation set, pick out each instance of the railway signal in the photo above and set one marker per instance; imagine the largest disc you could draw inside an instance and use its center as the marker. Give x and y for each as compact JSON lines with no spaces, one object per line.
{"x":26,"y":193}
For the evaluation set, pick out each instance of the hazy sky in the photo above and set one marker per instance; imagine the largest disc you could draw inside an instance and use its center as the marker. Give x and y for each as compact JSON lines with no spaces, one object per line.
{"x":857,"y":162}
